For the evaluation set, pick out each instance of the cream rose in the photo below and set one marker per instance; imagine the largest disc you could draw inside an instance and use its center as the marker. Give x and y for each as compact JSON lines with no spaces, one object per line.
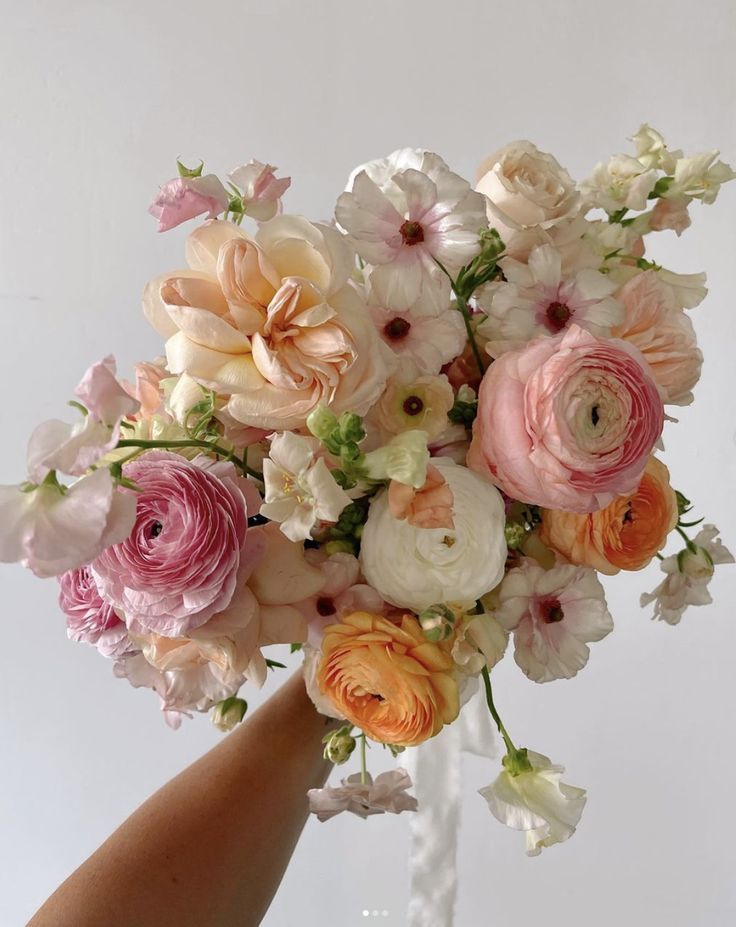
{"x":526,"y":187}
{"x":418,"y":567}
{"x":271,"y":322}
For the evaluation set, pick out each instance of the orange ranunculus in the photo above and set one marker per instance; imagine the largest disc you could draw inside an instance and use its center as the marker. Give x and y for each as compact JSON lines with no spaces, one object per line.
{"x":626,"y":534}
{"x":388,"y":679}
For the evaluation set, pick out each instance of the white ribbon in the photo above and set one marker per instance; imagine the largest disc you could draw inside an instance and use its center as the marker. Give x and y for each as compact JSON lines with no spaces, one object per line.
{"x":435,"y":769}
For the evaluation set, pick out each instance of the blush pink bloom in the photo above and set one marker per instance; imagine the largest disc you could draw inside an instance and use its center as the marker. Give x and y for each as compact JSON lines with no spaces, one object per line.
{"x":186,"y":198}
{"x":147,"y":387}
{"x":430,"y":341}
{"x":388,"y":793}
{"x":428,"y":507}
{"x":179,"y":566}
{"x":89,"y":620}
{"x":261,"y":189}
{"x":670,"y":214}
{"x":568,"y":422}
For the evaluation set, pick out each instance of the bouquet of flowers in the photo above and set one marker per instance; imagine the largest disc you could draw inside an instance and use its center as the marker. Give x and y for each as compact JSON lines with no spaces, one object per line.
{"x":393,"y":441}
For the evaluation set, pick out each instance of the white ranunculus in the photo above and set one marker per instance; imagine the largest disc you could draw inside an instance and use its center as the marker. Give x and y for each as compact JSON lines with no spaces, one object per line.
{"x":300,"y":490}
{"x":526,"y":188}
{"x":418,"y":567}
{"x":537,"y":802}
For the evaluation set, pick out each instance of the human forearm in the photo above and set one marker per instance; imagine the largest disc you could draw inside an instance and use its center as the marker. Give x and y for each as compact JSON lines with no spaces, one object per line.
{"x":211,"y":846}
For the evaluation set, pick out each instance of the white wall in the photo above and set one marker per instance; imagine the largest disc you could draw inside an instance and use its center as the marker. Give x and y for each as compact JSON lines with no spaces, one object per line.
{"x":97,"y":100}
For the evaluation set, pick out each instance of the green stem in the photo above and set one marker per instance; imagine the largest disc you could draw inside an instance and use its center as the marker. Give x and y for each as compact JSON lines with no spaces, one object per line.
{"x":689,"y":544}
{"x":363,"y":768}
{"x":215,"y":448}
{"x":465,"y":312}
{"x":495,"y":715}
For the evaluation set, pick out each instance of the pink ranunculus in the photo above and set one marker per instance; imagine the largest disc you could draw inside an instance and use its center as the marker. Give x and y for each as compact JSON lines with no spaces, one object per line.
{"x":89,"y":620}
{"x":186,"y":198}
{"x":179,"y":566}
{"x":568,"y":422}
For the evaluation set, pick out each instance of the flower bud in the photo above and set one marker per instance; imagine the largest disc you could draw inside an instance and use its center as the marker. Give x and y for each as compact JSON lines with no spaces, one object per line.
{"x":321,"y":422}
{"x":438,"y":622}
{"x":696,"y":563}
{"x":228,"y":713}
{"x":515,"y":534}
{"x":339,"y":745}
{"x":351,"y":427}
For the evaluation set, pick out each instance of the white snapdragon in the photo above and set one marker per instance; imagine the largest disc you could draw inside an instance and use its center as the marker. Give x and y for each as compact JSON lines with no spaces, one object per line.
{"x":621,"y":183}
{"x":300,"y":490}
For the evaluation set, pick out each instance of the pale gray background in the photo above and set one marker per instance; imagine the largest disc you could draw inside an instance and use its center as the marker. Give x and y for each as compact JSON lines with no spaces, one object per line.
{"x":97,"y":100}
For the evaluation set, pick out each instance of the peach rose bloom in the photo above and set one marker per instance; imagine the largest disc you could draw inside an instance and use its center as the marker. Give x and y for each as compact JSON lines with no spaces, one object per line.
{"x":272,"y":322}
{"x":664,"y":334}
{"x":388,"y":679}
{"x":623,"y":536}
{"x":428,"y":507}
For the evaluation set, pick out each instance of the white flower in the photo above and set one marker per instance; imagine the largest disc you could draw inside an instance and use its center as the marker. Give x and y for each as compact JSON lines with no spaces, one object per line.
{"x":652,"y":151}
{"x":261,"y":190}
{"x":688,"y":290}
{"x":418,"y":567}
{"x":405,"y":459}
{"x":228,"y":713}
{"x":480,"y":642}
{"x":687,"y":576}
{"x":526,"y":188}
{"x":700,"y":177}
{"x":405,"y":212}
{"x":386,"y":794}
{"x":52,"y":529}
{"x":537,"y":802}
{"x":553,"y":615}
{"x":623,"y":183}
{"x":300,"y":490}
{"x":429,"y":341}
{"x":539,"y":299}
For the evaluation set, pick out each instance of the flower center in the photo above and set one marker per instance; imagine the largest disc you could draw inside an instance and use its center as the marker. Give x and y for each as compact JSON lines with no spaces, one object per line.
{"x":413,"y":405}
{"x":558,"y":315}
{"x":551,"y":611}
{"x":594,"y":416}
{"x":397,"y":328}
{"x":155,"y":529}
{"x":411,"y":233}
{"x":325,"y":606}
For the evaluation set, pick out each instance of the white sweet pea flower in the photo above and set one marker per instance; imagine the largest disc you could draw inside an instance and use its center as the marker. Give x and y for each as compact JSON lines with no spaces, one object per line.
{"x":261,"y":189}
{"x":387,"y":794}
{"x":417,"y":567}
{"x":52,"y":529}
{"x":402,"y":214}
{"x":300,"y":490}
{"x":537,"y":802}
{"x":182,"y":394}
{"x":538,"y":298}
{"x":652,"y":151}
{"x":553,"y":615}
{"x":700,"y":177}
{"x":622,"y":183}
{"x":405,"y":459}
{"x":687,"y":576}
{"x":480,"y":642}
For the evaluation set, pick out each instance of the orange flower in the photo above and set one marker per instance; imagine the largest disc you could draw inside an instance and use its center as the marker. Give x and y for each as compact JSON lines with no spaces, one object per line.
{"x":428,"y":507}
{"x":626,"y":534}
{"x":387,"y":679}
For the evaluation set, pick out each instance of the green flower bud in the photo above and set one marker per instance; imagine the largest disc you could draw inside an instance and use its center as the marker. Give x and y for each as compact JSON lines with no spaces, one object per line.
{"x":515,"y":534}
{"x":339,"y":745}
{"x":228,"y":713}
{"x":339,"y":547}
{"x":321,"y":422}
{"x":437,"y":622}
{"x":351,"y":427}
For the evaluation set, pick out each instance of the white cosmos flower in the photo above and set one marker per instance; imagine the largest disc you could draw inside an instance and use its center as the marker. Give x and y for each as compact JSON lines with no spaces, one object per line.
{"x":402,"y":214}
{"x":540,"y":299}
{"x":418,"y":567}
{"x":300,"y":490}
{"x":687,"y":577}
{"x":537,"y":802}
{"x":553,"y":615}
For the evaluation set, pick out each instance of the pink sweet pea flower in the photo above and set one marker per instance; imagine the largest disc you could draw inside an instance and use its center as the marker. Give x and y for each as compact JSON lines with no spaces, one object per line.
{"x":261,"y":189}
{"x":186,"y":198}
{"x":388,"y":793}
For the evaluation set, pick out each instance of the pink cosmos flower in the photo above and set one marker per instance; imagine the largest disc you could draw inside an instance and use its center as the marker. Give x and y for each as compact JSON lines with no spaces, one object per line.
{"x":540,"y":299}
{"x":186,"y":198}
{"x":179,"y":566}
{"x":567,"y":423}
{"x":388,"y":793}
{"x":53,"y":529}
{"x":89,"y":620}
{"x":261,"y":189}
{"x":553,"y":615}
{"x":405,"y":212}
{"x":430,"y":341}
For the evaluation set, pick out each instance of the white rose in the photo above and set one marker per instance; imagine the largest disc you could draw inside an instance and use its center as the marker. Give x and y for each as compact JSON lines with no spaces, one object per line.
{"x":418,"y":567}
{"x":526,"y":187}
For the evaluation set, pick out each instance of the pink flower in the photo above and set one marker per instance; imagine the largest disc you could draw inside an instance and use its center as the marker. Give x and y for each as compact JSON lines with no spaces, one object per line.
{"x":430,"y":341}
{"x":147,"y":387}
{"x":179,"y":566}
{"x":52,"y":529}
{"x":261,"y":189}
{"x":186,"y":198}
{"x":568,"y":422}
{"x":670,"y":214}
{"x":428,"y":507}
{"x":89,"y":619}
{"x":553,"y":615}
{"x":387,"y":794}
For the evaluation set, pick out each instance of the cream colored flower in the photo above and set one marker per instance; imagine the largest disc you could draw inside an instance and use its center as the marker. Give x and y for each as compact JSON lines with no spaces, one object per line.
{"x":412,"y":402}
